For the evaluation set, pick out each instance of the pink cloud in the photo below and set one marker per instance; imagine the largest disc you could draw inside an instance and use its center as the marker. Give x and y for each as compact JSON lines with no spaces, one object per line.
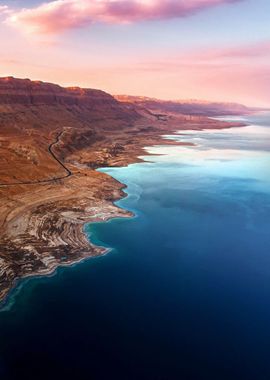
{"x":214,"y":57}
{"x":249,"y":51}
{"x":4,"y":9}
{"x":60,"y":15}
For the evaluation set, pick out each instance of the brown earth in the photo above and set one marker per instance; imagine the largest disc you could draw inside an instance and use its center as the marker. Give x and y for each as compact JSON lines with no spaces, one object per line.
{"x":51,"y":141}
{"x":187,"y":107}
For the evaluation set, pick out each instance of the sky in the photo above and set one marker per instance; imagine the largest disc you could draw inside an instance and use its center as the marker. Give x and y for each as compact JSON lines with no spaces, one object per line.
{"x":217,"y":50}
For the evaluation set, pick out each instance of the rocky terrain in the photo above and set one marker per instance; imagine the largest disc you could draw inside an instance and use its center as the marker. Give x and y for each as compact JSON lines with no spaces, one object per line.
{"x":51,"y":141}
{"x":186,"y":107}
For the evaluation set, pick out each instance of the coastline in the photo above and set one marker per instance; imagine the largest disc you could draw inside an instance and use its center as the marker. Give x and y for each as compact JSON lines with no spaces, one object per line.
{"x":94,"y":251}
{"x":79,"y":247}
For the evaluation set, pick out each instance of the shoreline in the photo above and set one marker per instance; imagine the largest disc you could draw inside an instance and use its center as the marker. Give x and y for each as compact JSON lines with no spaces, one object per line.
{"x":79,"y":247}
{"x":20,"y":282}
{"x":99,"y":251}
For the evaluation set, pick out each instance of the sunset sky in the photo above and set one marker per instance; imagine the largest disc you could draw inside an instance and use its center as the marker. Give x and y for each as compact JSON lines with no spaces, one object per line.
{"x":169,"y":49}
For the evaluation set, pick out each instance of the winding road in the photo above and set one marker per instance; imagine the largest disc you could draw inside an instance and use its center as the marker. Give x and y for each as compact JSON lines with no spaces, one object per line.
{"x":50,"y":150}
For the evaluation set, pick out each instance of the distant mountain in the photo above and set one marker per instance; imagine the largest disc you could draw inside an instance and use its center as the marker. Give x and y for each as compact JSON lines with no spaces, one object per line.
{"x":27,"y":92}
{"x":24,"y":92}
{"x":186,"y":107}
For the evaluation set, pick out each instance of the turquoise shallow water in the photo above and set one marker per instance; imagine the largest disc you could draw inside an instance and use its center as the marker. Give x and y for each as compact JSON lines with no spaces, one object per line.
{"x":185,"y":291}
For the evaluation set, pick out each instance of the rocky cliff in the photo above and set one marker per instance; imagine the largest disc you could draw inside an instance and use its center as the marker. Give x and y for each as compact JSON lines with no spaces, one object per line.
{"x":27,"y":92}
{"x":186,"y":107}
{"x":35,"y":105}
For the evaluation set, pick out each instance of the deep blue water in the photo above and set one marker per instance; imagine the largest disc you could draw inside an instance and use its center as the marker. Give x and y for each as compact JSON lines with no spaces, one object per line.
{"x":185,"y":292}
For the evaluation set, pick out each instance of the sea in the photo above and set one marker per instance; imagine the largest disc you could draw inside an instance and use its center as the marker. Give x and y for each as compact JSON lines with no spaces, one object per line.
{"x":183,"y":293}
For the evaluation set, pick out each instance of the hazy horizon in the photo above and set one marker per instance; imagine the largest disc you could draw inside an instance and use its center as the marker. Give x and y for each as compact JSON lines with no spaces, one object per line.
{"x":214,"y":50}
